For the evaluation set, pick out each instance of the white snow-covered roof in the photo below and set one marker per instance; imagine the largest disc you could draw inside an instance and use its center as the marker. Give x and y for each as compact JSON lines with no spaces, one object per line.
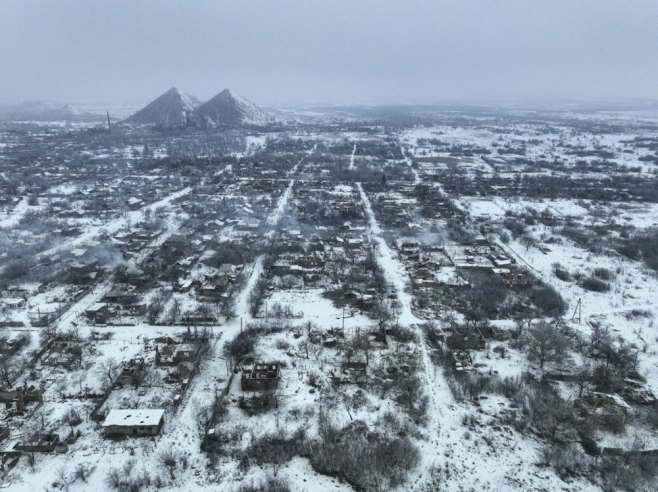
{"x":13,"y":301}
{"x":132,"y":417}
{"x":184,"y":282}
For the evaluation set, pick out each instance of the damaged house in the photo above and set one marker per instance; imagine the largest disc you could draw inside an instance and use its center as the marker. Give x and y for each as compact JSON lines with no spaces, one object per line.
{"x":261,"y":377}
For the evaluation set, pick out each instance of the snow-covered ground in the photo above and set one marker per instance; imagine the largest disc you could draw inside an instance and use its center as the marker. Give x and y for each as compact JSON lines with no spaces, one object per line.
{"x":463,"y":444}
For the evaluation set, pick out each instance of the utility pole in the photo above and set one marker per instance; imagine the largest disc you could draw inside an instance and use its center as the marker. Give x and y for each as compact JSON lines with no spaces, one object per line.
{"x":578,"y":311}
{"x":109,"y":125}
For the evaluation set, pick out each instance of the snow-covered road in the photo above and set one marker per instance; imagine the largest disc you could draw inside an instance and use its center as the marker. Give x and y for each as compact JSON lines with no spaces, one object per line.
{"x":116,"y":224}
{"x":352,"y":158}
{"x":436,"y":387}
{"x":409,"y":162}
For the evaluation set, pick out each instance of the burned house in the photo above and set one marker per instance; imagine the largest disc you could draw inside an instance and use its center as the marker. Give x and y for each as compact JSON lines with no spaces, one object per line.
{"x":638,"y":392}
{"x":184,"y":285}
{"x":351,"y":372}
{"x":19,"y":398}
{"x":120,"y":295}
{"x":461,"y":361}
{"x":40,"y":319}
{"x":172,"y":354}
{"x":131,"y":373}
{"x":214,"y":288}
{"x":133,"y":422}
{"x":605,"y":408}
{"x":43,"y":442}
{"x":14,"y":302}
{"x":228,"y":270}
{"x":80,"y":271}
{"x":466,"y":339}
{"x":97,"y":313}
{"x":62,"y":352}
{"x":260,"y":377}
{"x":123,"y":300}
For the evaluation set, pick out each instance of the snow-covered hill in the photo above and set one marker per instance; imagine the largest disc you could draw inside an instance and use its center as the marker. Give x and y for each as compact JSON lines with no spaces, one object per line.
{"x":40,"y":110}
{"x":229,"y":109}
{"x":171,"y":108}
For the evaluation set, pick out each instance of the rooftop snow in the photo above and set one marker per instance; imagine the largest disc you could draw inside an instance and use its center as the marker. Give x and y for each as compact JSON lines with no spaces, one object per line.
{"x":131,"y":417}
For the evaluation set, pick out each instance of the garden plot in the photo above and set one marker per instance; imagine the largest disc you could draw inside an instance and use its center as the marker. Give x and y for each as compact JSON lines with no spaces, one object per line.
{"x":628,"y":307}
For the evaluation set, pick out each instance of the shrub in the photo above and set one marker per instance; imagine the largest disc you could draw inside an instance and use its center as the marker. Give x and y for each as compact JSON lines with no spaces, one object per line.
{"x":560,"y":272}
{"x":269,"y":484}
{"x":510,"y":387}
{"x":402,"y":334}
{"x":282,"y":344}
{"x":549,"y":301}
{"x":15,"y":270}
{"x":631,"y":472}
{"x":595,"y":285}
{"x":565,"y":459}
{"x":366,"y":460}
{"x":603,"y":273}
{"x":551,"y":416}
{"x":630,"y":250}
{"x":474,"y":384}
{"x":515,"y":227}
{"x":242,"y":345}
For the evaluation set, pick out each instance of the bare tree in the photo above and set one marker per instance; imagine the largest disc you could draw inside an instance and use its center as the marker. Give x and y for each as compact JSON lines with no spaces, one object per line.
{"x":114,"y":478}
{"x":362,"y":343}
{"x":82,"y":472}
{"x":528,"y":241}
{"x":174,"y":311}
{"x":546,"y":345}
{"x":109,"y":370}
{"x":303,"y":346}
{"x":154,"y":309}
{"x":583,"y":378}
{"x":72,"y":418}
{"x":549,"y":413}
{"x":167,"y":459}
{"x":76,"y":351}
{"x":382,"y":312}
{"x":600,"y":340}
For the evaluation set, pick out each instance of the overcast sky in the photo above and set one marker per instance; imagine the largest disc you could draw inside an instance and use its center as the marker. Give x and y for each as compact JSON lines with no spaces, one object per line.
{"x":282,"y":51}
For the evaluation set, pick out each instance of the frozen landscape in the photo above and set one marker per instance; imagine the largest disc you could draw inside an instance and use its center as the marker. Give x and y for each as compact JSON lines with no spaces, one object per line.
{"x":418,"y":300}
{"x":329,"y":246}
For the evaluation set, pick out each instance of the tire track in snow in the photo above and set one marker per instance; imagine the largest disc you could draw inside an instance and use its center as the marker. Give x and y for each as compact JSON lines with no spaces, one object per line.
{"x":352,"y":158}
{"x":407,"y":159}
{"x":114,"y":225}
{"x":242,"y":301}
{"x":435,"y":384}
{"x":100,"y":291}
{"x":186,"y":431}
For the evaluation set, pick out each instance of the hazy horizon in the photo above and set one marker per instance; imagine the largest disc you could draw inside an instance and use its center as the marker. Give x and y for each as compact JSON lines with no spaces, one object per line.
{"x":368,"y":52}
